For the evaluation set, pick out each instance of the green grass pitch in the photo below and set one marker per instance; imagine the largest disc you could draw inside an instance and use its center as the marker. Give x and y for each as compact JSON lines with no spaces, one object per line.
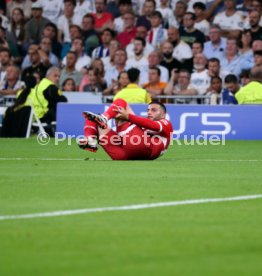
{"x":223,"y":238}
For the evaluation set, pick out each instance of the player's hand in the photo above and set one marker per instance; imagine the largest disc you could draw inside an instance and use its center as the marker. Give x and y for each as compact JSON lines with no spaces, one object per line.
{"x":122,"y":113}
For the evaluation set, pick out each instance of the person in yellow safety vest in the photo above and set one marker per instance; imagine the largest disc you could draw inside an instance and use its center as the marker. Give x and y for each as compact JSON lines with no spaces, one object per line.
{"x":133,"y":93}
{"x":252,"y":92}
{"x":45,"y":96}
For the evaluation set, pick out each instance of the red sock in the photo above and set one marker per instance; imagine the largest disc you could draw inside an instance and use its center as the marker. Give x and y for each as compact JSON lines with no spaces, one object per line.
{"x":90,"y":128}
{"x":110,"y":113}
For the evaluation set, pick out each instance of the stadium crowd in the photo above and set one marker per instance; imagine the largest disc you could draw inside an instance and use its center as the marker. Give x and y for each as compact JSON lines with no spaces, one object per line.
{"x":181,"y":47}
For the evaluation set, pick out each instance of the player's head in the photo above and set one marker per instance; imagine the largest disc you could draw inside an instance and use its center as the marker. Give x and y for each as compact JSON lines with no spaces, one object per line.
{"x":156,"y":111}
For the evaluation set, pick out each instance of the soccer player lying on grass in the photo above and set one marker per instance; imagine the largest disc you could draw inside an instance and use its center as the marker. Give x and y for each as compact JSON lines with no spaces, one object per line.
{"x":135,"y":138}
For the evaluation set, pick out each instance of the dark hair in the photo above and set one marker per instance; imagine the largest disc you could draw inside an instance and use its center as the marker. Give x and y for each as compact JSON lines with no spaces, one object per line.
{"x":143,"y":41}
{"x":124,"y":2}
{"x":231,"y":79}
{"x":200,"y":6}
{"x":72,"y":52}
{"x":73,"y":2}
{"x":66,"y":80}
{"x":163,"y":107}
{"x":3,"y":49}
{"x":199,"y":42}
{"x":245,"y":74}
{"x":89,"y":15}
{"x":152,"y":1}
{"x":133,"y":74}
{"x":193,"y":16}
{"x":258,"y":53}
{"x":112,"y":32}
{"x":216,"y":78}
{"x":156,"y":69}
{"x":214,"y":60}
{"x":158,"y":14}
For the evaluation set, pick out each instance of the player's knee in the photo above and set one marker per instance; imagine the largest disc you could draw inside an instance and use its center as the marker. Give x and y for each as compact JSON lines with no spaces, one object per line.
{"x":120,"y":102}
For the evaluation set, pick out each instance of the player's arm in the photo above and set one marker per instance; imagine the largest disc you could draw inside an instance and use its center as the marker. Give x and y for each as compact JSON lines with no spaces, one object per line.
{"x":145,"y":123}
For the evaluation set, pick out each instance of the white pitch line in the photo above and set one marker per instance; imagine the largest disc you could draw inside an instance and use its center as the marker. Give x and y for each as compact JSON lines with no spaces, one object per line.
{"x":128,"y":207}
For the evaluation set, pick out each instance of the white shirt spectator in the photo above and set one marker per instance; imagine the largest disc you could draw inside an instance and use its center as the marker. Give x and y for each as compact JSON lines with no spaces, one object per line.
{"x":147,"y":50}
{"x":112,"y":74}
{"x":203,"y":26}
{"x":200,"y":81}
{"x":100,"y":52}
{"x":139,"y":64}
{"x":52,"y":9}
{"x":83,"y":9}
{"x":172,"y":22}
{"x":159,"y":35}
{"x":182,"y":51}
{"x":82,"y":61}
{"x":247,"y":24}
{"x":119,"y":24}
{"x":166,"y":13}
{"x":233,"y":22}
{"x":63,"y":26}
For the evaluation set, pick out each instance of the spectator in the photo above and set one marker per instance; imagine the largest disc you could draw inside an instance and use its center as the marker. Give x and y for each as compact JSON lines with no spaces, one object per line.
{"x":232,"y":86}
{"x":169,"y":61}
{"x":52,"y":9}
{"x":197,"y":48}
{"x":69,"y":85}
{"x":154,"y":60}
{"x":215,"y":48}
{"x":91,"y":38}
{"x":35,"y":26}
{"x":5,"y":61}
{"x":180,"y":86}
{"x":255,"y":6}
{"x":35,"y":63}
{"x":230,"y":21}
{"x":69,"y":71}
{"x":24,"y":5}
{"x":109,"y":60}
{"x":178,"y":15}
{"x":46,"y":56}
{"x":201,"y":23}
{"x":244,"y":77}
{"x":129,"y":32}
{"x":138,"y":59}
{"x":188,"y":33}
{"x":133,"y":93}
{"x":82,"y":59}
{"x":124,"y":7}
{"x":245,"y":46}
{"x":8,"y":41}
{"x":255,"y":28}
{"x":214,"y":69}
{"x":148,"y":9}
{"x":96,"y":64}
{"x":121,"y":83}
{"x":231,"y":61}
{"x":215,"y":90}
{"x":252,"y":92}
{"x":102,"y":18}
{"x":50,"y":31}
{"x":67,"y":19}
{"x":103,"y":50}
{"x":154,"y":86}
{"x":141,"y":31}
{"x":96,"y":84}
{"x":157,"y":33}
{"x":258,"y":58}
{"x":18,"y":28}
{"x":82,"y":8}
{"x":120,"y":59}
{"x":200,"y":79}
{"x":182,"y":51}
{"x":11,"y":85}
{"x":165,"y":10}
